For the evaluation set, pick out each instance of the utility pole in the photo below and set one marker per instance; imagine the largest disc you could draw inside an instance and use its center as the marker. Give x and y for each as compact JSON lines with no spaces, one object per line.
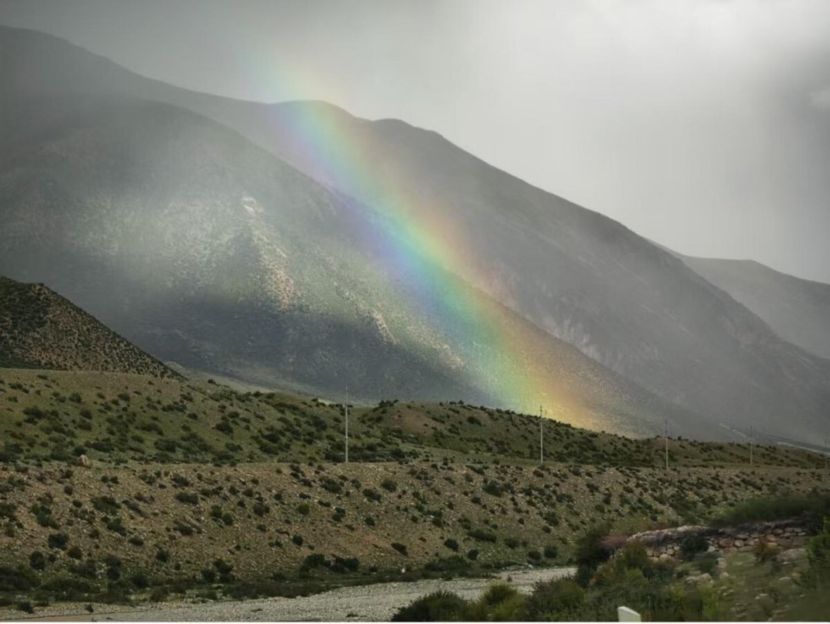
{"x":347,"y":424}
{"x":751,"y":443}
{"x":666,"y":440}
{"x":825,"y":452}
{"x":541,"y":436}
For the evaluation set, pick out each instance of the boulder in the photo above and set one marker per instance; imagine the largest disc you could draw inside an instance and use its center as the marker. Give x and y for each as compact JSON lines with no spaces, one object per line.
{"x":792,"y":555}
{"x":84,"y":461}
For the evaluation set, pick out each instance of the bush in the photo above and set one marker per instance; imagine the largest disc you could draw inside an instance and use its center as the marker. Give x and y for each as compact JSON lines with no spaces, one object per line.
{"x":189,"y":498}
{"x":810,"y":507}
{"x":389,"y":485}
{"x":440,"y":606}
{"x":500,"y":603}
{"x":482,"y":535}
{"x":58,"y":540}
{"x":451,"y":544}
{"x":591,"y":552}
{"x":559,"y":599}
{"x":314,"y":561}
{"x":400,"y":548}
{"x":692,"y":545}
{"x":37,"y":561}
{"x":551,"y":552}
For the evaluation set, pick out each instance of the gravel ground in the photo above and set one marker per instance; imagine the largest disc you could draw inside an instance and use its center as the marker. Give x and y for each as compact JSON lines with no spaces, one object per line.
{"x":369,"y":603}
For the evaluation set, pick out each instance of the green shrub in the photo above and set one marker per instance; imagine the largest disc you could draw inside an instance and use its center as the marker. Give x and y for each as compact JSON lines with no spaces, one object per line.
{"x":37,"y":561}
{"x":810,"y":507}
{"x":189,"y":498}
{"x":451,"y":544}
{"x":440,"y":606}
{"x":692,"y":545}
{"x":482,"y":535}
{"x":559,"y":599}
{"x":400,"y":548}
{"x":58,"y":540}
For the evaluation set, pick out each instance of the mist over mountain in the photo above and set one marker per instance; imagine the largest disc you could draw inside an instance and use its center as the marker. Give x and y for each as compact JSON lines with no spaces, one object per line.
{"x":797,"y":309}
{"x":204,"y":249}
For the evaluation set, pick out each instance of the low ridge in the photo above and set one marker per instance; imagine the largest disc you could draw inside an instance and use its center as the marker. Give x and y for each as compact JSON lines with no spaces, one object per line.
{"x":41,"y":329}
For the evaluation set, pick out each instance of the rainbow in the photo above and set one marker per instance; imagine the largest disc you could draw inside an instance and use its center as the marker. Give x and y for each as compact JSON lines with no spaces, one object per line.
{"x":426,"y":245}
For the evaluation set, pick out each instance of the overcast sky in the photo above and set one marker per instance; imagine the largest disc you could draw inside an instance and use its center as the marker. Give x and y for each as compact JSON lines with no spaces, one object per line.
{"x":703,"y":125}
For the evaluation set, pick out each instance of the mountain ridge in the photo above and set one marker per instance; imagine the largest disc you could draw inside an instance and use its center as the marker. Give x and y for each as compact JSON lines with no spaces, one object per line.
{"x":572,"y":272}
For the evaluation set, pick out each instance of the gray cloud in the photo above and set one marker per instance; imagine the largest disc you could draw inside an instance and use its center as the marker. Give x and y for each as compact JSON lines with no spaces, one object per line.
{"x":700,"y":124}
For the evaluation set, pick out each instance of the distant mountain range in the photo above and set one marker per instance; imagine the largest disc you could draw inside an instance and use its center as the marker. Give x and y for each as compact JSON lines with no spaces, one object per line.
{"x":295,"y":244}
{"x":797,"y":309}
{"x":40,"y":329}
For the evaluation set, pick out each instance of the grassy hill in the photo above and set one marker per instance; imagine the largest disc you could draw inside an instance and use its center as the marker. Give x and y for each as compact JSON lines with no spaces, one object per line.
{"x":195,"y":487}
{"x":41,"y":329}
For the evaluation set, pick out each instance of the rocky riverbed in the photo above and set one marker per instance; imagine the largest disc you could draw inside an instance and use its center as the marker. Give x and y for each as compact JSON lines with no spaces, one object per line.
{"x":372,"y":603}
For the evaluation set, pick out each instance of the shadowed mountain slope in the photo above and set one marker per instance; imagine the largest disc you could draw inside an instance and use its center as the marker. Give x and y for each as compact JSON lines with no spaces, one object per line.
{"x":209,"y":252}
{"x":40,"y":329}
{"x":797,"y":309}
{"x":575,"y":274}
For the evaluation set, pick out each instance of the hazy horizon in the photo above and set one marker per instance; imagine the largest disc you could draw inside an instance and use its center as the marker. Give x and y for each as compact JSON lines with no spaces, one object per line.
{"x":702,"y":126}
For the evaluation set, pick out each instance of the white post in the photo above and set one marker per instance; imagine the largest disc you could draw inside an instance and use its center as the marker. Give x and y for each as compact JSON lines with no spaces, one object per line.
{"x":624,"y":614}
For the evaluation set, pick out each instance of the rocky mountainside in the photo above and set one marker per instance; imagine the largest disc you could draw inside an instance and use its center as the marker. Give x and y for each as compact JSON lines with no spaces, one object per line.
{"x":210,"y":252}
{"x":41,"y":329}
{"x":570,"y":272}
{"x":797,"y":309}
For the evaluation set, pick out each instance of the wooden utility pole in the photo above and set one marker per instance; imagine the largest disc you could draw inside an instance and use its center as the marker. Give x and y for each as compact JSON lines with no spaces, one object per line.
{"x":541,"y":436}
{"x":751,"y":443}
{"x":666,"y":440}
{"x":347,"y":424}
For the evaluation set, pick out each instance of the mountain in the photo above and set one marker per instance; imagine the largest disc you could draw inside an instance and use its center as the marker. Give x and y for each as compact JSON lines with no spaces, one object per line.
{"x":210,"y":252}
{"x":41,"y":329}
{"x":797,"y":309}
{"x":572,"y":273}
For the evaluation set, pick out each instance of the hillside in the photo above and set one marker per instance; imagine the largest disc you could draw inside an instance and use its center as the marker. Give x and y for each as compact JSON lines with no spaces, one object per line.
{"x":574,"y":274}
{"x":40,"y":329}
{"x":797,"y":309}
{"x":195,"y":487}
{"x":207,"y":251}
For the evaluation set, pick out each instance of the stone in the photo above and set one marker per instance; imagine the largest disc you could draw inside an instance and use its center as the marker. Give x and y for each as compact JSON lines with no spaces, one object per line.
{"x":724,"y":543}
{"x":84,"y":461}
{"x":721,"y":563}
{"x":724,"y":574}
{"x":777,"y":531}
{"x":665,"y":557}
{"x":738,"y":543}
{"x":792,"y":555}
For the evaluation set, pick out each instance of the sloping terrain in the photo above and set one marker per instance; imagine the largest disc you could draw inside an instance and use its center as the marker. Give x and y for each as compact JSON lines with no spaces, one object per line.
{"x":575,"y":274}
{"x":207,"y":251}
{"x":41,"y":329}
{"x":797,"y":309}
{"x":194,"y":486}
